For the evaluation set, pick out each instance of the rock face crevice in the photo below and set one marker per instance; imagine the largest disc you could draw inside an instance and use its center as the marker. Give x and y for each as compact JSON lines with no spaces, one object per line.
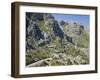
{"x":63,"y":42}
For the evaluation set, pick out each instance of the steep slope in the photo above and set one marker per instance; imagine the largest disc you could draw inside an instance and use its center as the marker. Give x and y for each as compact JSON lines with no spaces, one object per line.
{"x":64,"y":43}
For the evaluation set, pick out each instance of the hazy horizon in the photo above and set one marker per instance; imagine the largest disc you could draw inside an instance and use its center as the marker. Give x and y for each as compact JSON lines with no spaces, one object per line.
{"x":82,"y":19}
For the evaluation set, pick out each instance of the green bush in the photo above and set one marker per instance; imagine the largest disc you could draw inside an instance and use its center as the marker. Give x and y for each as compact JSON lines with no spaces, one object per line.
{"x":75,"y":52}
{"x":41,"y":53}
{"x":42,"y":26}
{"x":55,"y":62}
{"x":71,"y":50}
{"x":28,"y":58}
{"x":83,"y":40}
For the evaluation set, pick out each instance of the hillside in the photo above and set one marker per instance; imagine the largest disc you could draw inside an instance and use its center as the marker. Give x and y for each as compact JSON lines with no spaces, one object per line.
{"x":54,"y":43}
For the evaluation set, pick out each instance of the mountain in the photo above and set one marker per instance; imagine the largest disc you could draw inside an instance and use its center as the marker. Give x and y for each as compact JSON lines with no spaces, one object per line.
{"x":63,"y":42}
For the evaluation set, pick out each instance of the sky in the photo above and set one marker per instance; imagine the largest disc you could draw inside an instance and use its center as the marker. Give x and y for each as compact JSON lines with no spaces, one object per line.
{"x":83,"y":19}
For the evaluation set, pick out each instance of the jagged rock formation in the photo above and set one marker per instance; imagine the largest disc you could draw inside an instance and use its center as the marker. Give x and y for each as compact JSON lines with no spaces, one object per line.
{"x":64,"y":43}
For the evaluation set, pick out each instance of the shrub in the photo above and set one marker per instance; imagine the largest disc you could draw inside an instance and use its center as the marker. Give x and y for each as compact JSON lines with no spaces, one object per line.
{"x":40,"y":53}
{"x":83,"y":40}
